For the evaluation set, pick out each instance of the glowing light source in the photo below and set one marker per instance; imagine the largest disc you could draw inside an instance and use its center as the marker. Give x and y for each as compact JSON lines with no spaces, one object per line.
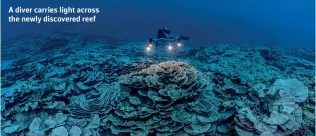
{"x":150,"y":45}
{"x":169,"y":47}
{"x":148,"y":49}
{"x":179,"y":44}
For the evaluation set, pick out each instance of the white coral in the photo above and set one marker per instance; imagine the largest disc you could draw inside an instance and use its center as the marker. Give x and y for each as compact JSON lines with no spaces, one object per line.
{"x":281,"y":108}
{"x":284,"y":112}
{"x":296,"y":87}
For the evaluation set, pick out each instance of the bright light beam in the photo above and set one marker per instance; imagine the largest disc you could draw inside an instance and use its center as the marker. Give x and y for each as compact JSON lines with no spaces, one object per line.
{"x":169,"y":47}
{"x":148,"y":49}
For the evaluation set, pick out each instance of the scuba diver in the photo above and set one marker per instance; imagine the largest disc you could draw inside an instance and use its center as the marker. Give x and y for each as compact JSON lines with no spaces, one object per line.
{"x":164,"y":33}
{"x":164,"y":36}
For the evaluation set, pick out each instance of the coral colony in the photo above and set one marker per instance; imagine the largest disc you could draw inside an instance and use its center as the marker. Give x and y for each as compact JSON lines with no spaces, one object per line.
{"x":67,"y":85}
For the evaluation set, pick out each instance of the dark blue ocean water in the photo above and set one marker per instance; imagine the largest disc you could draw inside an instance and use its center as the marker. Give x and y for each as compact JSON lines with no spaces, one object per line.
{"x":282,"y":22}
{"x":58,"y":83}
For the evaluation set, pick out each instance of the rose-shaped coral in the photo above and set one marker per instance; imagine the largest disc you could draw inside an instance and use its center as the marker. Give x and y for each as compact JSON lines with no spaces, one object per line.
{"x":277,"y":113}
{"x":170,"y":98}
{"x":85,"y":105}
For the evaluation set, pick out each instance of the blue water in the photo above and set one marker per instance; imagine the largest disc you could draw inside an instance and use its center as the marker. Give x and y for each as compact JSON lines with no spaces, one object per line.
{"x":105,"y":79}
{"x":282,"y":22}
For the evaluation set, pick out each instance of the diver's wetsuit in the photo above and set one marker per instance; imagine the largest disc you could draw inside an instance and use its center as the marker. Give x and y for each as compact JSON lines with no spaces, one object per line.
{"x":166,"y":34}
{"x":166,"y":31}
{"x":160,"y":34}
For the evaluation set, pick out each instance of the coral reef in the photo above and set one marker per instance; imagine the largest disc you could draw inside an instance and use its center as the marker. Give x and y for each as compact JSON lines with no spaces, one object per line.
{"x":66,"y":84}
{"x":169,"y":98}
{"x":232,"y":62}
{"x":95,"y":102}
{"x":277,"y":112}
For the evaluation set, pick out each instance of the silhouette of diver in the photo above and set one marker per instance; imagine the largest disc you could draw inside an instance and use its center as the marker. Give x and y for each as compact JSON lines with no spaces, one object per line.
{"x":166,"y":34}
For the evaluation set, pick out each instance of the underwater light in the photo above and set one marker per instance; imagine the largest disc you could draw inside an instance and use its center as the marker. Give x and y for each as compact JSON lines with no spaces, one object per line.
{"x":150,"y":45}
{"x":169,"y":47}
{"x":148,"y":49}
{"x":179,"y":44}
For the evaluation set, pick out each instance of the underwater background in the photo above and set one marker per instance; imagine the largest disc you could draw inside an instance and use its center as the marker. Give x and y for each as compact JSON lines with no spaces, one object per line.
{"x":248,"y":70}
{"x":282,"y":22}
